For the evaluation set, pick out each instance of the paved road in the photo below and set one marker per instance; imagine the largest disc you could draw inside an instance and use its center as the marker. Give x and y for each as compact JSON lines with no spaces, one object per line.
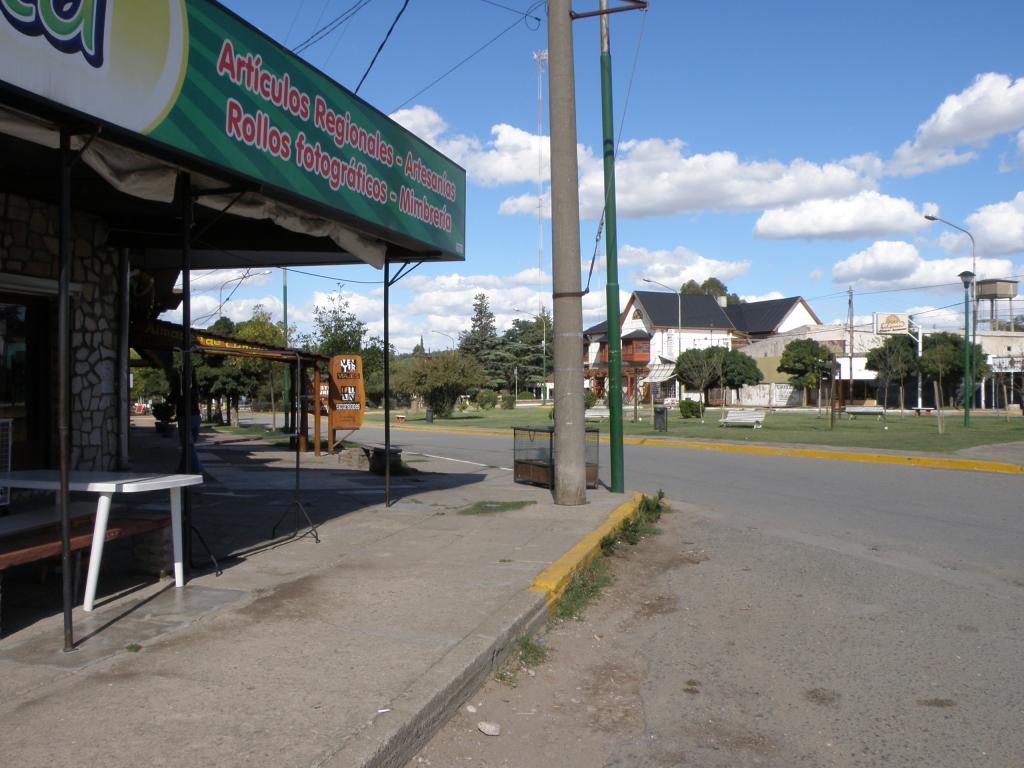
{"x":968,"y":526}
{"x":848,"y":614}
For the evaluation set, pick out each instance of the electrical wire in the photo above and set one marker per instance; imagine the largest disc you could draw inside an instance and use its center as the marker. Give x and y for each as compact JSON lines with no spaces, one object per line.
{"x":298,"y":12}
{"x":322,"y":32}
{"x":479,"y":50}
{"x":383,"y":42}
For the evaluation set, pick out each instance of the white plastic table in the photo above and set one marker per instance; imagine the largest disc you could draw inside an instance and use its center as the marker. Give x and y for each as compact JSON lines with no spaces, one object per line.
{"x":106,"y":484}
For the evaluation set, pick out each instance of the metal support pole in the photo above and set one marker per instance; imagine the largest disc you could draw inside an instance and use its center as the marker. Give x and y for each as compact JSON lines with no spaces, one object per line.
{"x":567,"y":304}
{"x":611,"y":259}
{"x":387,"y":385}
{"x":124,"y":362}
{"x":287,"y":378}
{"x":968,"y":383}
{"x":185,"y":417}
{"x":64,"y":384}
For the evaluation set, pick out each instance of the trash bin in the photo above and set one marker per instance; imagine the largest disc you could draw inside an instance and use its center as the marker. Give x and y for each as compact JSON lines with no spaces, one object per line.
{"x":428,"y":416}
{"x":660,"y":418}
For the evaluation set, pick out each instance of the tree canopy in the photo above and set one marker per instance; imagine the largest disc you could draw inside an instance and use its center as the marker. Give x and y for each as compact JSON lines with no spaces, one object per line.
{"x":806,"y":361}
{"x":710,"y":287}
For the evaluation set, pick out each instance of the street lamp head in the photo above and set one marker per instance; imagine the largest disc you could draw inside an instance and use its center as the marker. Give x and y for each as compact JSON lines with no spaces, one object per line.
{"x":966,"y":277}
{"x":930,"y":217}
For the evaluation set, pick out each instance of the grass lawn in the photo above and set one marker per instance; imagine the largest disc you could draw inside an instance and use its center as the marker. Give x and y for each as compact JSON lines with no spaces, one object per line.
{"x":910,"y":433}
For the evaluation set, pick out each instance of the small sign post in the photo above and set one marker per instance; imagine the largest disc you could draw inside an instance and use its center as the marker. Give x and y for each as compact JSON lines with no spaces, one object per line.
{"x":346,"y":399}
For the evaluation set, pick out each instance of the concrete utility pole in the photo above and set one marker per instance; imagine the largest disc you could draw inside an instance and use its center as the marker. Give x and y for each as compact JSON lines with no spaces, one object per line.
{"x":849,"y":320}
{"x":567,"y":300}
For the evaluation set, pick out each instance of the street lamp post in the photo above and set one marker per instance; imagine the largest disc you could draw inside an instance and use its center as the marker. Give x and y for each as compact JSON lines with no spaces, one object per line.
{"x":450,"y":337}
{"x":968,"y":280}
{"x":543,"y":352}
{"x":239,"y":279}
{"x":679,"y":329}
{"x":974,"y":328}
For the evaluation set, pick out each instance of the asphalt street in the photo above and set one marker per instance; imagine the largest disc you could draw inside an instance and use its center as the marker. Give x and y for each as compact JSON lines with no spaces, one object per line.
{"x":969,"y":526}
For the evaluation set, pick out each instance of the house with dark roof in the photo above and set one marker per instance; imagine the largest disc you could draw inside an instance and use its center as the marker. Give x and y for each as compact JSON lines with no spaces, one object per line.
{"x":656,"y":327}
{"x":762,"y":319}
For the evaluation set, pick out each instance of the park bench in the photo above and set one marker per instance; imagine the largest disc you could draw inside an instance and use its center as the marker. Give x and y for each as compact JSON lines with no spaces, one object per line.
{"x":34,"y":536}
{"x":735,"y":418}
{"x":375,"y":455}
{"x":853,"y":411}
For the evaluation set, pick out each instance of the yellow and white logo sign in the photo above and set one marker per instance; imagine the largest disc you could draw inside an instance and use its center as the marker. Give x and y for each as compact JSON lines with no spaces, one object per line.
{"x":121,"y":60}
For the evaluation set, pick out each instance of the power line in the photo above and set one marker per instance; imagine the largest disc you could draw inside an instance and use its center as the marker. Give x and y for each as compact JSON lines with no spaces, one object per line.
{"x":382,"y":44}
{"x":322,"y":32}
{"x":524,"y":14}
{"x":298,"y":12}
{"x":479,"y":50}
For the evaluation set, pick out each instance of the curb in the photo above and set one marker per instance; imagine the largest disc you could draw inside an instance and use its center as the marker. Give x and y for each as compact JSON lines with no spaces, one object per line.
{"x":553,"y":580}
{"x":394,"y":737}
{"x":926,"y":462}
{"x":923,"y":462}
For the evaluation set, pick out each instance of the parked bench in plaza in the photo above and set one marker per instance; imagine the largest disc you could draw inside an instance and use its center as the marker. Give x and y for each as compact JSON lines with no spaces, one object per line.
{"x":853,"y":411}
{"x":734,"y":418}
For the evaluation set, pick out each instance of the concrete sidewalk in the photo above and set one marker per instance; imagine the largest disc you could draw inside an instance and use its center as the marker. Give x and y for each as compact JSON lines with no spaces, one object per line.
{"x":347,"y":652}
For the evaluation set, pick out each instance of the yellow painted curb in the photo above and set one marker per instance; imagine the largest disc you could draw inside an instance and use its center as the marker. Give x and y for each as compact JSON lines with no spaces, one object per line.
{"x":925,"y":462}
{"x":555,"y":578}
{"x":928,"y":462}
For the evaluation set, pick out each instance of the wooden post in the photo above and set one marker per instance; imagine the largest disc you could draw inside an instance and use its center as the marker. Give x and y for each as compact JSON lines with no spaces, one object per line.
{"x":316,"y":409}
{"x":938,"y":408}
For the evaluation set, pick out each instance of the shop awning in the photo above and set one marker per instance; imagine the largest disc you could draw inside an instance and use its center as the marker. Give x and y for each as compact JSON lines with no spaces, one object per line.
{"x":659,"y":373}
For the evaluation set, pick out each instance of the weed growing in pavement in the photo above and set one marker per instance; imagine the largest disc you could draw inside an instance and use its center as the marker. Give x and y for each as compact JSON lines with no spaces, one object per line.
{"x":487,"y":507}
{"x":526,"y":653}
{"x":583,"y":589}
{"x":642,"y":524}
{"x":133,"y":647}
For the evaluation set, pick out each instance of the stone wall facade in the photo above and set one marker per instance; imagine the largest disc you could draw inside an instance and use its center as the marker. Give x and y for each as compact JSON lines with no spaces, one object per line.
{"x":29,"y":243}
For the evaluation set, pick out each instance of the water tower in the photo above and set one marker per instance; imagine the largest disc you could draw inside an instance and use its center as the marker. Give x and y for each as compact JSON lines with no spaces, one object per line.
{"x":993,"y":290}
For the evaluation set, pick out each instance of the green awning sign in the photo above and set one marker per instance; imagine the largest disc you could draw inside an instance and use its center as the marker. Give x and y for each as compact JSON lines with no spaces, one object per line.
{"x":193,"y":76}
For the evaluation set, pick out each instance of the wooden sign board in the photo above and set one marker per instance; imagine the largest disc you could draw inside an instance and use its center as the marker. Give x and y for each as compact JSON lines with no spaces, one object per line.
{"x":346,"y":400}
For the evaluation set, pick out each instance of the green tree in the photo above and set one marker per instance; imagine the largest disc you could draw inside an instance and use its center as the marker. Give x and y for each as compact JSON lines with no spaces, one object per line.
{"x":260,"y":328}
{"x":440,"y":379}
{"x":336,"y":330}
{"x":943,"y":358}
{"x":698,"y":368}
{"x":739,"y":369}
{"x":710,"y":287}
{"x":893,"y":361}
{"x":807,"y":362}
{"x":481,"y":343}
{"x":524,"y":346}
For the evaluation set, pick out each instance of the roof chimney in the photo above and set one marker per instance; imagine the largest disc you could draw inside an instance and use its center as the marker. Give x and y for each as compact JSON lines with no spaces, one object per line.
{"x":723,"y":301}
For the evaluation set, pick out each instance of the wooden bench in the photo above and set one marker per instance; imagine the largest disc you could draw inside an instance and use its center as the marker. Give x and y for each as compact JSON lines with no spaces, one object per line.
{"x":753,"y":419}
{"x":375,"y":455}
{"x":27,"y":541}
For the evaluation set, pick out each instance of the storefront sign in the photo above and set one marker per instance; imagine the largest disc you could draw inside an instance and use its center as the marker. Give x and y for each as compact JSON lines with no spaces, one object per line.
{"x":891,"y":324}
{"x":193,"y":76}
{"x":346,"y":401}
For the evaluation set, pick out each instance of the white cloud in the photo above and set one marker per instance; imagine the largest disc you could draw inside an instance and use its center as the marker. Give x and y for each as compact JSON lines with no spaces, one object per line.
{"x":770,"y":296}
{"x":654,"y":177}
{"x":595,"y":306}
{"x":999,"y":228}
{"x":866,"y":214}
{"x":993,"y":104}
{"x":895,"y":264}
{"x":815,"y":275}
{"x":677,"y":266}
{"x":932,"y":317}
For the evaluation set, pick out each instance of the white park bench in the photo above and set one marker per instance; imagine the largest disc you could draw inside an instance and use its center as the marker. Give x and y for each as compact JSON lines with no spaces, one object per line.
{"x":735,"y":418}
{"x":853,"y":411}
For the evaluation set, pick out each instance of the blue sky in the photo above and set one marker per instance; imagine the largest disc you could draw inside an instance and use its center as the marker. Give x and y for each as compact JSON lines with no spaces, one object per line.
{"x":786,"y":147}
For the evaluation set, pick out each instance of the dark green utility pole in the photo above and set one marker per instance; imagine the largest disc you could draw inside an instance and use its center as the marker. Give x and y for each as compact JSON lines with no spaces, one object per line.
{"x":611,"y":259}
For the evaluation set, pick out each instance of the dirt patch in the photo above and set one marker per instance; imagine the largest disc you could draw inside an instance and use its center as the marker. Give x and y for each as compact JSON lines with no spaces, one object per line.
{"x":694,"y":556}
{"x":719,"y":735}
{"x":940,"y":703}
{"x":612,"y":698}
{"x":657,"y":606}
{"x":824,"y":696}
